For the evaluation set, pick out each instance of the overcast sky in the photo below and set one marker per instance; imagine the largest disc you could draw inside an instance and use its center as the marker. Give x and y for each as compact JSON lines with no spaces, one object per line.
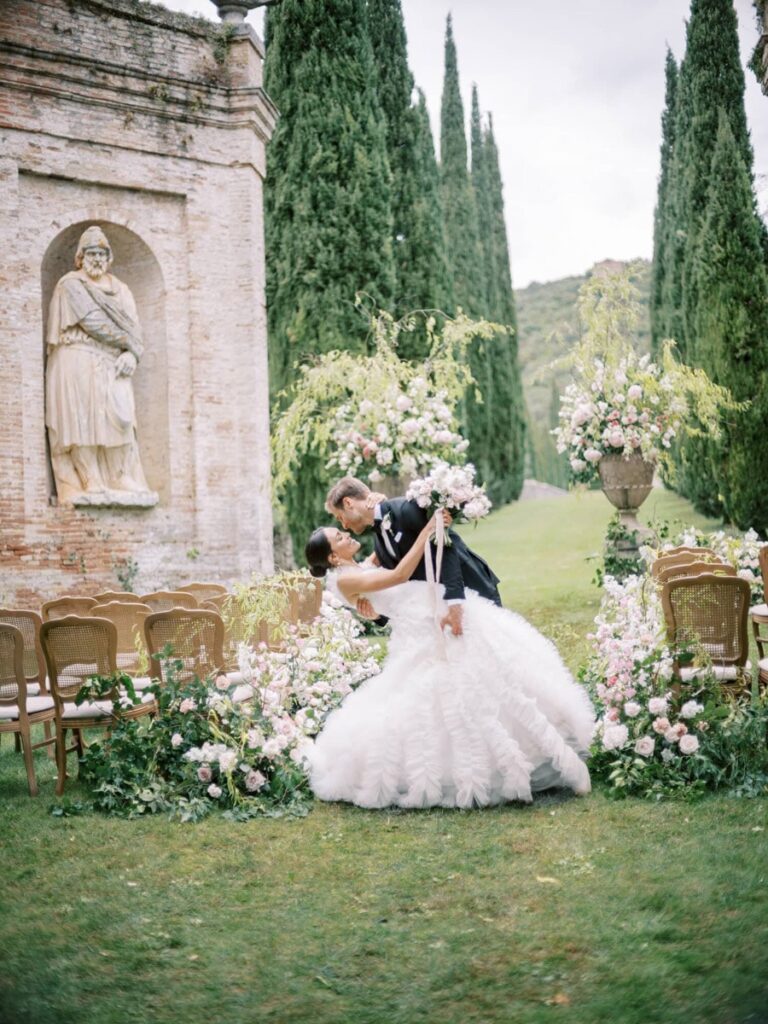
{"x":576,"y":91}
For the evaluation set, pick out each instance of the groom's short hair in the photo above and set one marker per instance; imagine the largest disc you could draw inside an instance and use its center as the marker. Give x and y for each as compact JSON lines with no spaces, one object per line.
{"x":347,"y":487}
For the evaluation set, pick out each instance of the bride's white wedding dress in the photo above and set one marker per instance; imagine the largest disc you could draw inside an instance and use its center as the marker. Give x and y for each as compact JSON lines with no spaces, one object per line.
{"x":466,"y":721}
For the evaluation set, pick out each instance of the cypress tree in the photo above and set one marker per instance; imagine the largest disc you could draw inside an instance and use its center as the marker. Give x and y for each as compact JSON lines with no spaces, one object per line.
{"x":328,"y":205}
{"x":713,"y":78}
{"x":731,"y":329}
{"x":506,"y":419}
{"x":418,"y":236}
{"x":663,"y":226}
{"x":328,"y":198}
{"x":465,"y":255}
{"x":459,"y":208}
{"x":511,"y":468}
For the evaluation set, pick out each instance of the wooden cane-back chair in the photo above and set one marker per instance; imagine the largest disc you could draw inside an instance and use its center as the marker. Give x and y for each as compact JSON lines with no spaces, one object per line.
{"x":196,"y":637}
{"x":305,"y":600}
{"x":759,"y":618}
{"x":674,"y":572}
{"x":19,"y":711}
{"x":66,"y":605}
{"x":115,"y":595}
{"x":709,"y":613}
{"x":29,"y":623}
{"x":164,"y":600}
{"x":763,"y":560}
{"x":680,"y":557}
{"x":685,"y":549}
{"x":75,"y":649}
{"x":203,"y":591}
{"x":128,"y":618}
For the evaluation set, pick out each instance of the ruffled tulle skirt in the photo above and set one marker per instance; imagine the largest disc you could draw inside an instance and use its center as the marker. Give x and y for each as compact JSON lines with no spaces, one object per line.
{"x":488,"y":717}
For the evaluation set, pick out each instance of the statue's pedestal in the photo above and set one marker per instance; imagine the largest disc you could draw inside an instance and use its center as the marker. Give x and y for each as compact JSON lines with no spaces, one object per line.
{"x":114,"y":499}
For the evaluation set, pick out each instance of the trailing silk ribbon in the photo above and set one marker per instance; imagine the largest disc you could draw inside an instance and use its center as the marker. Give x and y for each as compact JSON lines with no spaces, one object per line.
{"x":433,"y":570}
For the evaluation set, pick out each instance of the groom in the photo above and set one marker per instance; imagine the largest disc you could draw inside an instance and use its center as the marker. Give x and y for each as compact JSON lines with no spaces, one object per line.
{"x":396,"y":524}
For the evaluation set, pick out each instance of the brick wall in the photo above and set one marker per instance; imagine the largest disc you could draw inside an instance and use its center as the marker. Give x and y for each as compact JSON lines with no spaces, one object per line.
{"x":153,"y":125}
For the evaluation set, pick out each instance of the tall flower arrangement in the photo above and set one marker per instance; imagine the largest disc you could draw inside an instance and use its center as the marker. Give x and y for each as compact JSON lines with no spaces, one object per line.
{"x":619,"y":401}
{"x":380,"y":415}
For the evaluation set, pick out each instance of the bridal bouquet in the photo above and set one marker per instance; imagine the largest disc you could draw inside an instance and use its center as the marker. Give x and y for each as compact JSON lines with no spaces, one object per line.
{"x":452,"y":488}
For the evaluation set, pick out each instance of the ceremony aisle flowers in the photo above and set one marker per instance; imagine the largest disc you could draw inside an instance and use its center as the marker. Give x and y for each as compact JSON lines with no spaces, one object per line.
{"x":236,"y":742}
{"x":621,"y":402}
{"x":653,"y":738}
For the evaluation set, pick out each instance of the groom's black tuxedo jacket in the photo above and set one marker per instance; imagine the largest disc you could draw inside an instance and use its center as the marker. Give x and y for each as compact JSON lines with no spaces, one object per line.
{"x":460,"y":568}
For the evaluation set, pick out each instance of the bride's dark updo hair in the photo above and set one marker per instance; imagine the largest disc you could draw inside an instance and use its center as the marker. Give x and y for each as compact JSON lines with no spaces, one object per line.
{"x":318,"y":553}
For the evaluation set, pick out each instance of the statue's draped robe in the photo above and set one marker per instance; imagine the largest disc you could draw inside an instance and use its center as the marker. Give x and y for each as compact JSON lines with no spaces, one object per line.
{"x":87,"y":404}
{"x":90,"y":412}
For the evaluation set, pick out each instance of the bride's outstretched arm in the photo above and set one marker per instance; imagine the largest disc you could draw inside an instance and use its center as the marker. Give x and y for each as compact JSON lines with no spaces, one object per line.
{"x":353,"y":584}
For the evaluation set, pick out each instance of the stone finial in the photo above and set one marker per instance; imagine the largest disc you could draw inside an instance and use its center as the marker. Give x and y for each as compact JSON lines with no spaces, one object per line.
{"x":233,"y":12}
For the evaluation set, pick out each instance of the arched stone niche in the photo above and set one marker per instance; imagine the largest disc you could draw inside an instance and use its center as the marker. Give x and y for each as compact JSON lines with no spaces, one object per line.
{"x":135,"y":264}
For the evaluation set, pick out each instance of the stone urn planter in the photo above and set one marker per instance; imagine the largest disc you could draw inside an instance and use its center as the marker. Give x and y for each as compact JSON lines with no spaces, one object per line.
{"x":627,"y":482}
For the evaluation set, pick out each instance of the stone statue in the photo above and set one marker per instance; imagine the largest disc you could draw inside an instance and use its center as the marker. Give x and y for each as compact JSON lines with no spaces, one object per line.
{"x":94,"y":346}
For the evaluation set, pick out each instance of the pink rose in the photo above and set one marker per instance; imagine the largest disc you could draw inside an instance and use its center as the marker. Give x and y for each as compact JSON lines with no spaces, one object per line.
{"x":688,"y":744}
{"x":186,"y":705}
{"x":222,"y":683}
{"x":204,"y":773}
{"x":254,"y":781}
{"x":660,"y":725}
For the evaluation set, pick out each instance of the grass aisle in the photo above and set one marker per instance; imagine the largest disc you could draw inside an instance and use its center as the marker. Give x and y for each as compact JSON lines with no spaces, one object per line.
{"x":584,"y":911}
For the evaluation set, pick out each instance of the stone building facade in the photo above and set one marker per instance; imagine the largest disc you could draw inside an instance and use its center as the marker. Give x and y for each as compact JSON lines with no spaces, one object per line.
{"x":152,"y":125}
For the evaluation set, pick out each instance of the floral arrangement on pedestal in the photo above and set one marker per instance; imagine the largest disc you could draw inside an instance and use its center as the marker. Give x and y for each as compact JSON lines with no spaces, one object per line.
{"x":239,"y":741}
{"x":379,"y":415}
{"x":398,"y":432}
{"x":619,"y":401}
{"x":654,"y":738}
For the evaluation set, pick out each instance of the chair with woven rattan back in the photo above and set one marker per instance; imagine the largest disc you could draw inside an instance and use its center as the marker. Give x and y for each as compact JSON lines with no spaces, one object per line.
{"x":680,"y":557}
{"x":196,"y":638}
{"x":128,"y":617}
{"x":76,"y":649}
{"x":214,"y":603}
{"x":19,"y":710}
{"x":66,"y":605}
{"x":708,"y":614}
{"x":305,"y":601}
{"x":164,"y":600}
{"x":29,"y":623}
{"x":204,"y":591}
{"x":759,"y":617}
{"x":115,"y":595}
{"x":686,"y":549}
{"x":674,"y":572}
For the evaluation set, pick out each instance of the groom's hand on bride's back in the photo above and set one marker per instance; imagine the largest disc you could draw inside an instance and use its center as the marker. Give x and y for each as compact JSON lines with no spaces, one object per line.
{"x":366,"y":609}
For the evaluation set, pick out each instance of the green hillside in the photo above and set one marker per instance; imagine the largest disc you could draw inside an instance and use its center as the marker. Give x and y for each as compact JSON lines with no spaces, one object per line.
{"x":548,"y":328}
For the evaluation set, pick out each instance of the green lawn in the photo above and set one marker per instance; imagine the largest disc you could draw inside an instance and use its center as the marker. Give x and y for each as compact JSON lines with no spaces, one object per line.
{"x":585,"y":911}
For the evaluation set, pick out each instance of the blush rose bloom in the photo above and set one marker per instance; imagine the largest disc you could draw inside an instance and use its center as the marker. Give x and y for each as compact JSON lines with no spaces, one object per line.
{"x":186,"y":705}
{"x":254,"y":781}
{"x":214,"y":791}
{"x":645,"y":746}
{"x":657,"y":705}
{"x":176,"y":740}
{"x":632,"y":709}
{"x":204,"y":773}
{"x":615,"y":736}
{"x":688,"y":744}
{"x":660,"y":725}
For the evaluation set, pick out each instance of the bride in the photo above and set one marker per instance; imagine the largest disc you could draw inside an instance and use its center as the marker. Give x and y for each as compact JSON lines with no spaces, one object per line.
{"x":467,"y":721}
